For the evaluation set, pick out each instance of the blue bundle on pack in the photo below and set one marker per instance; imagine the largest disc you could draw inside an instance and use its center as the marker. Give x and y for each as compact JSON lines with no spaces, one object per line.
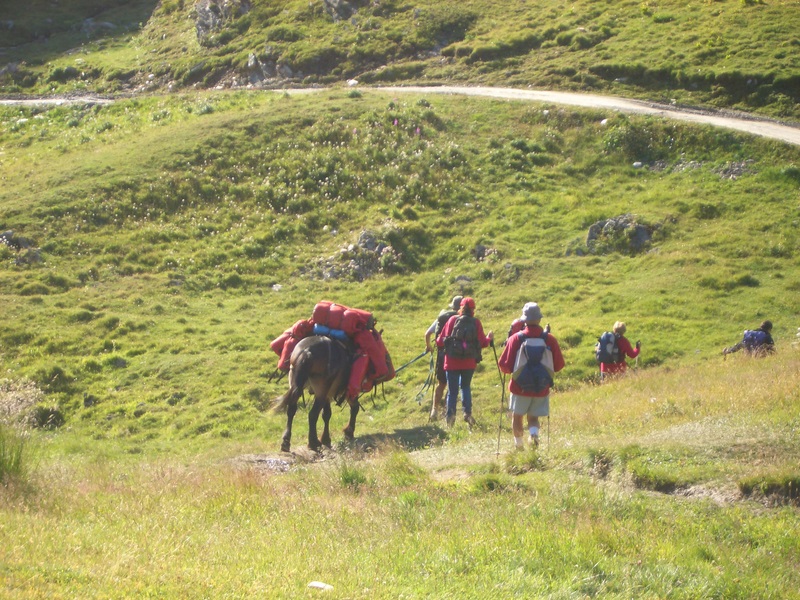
{"x":336,"y":334}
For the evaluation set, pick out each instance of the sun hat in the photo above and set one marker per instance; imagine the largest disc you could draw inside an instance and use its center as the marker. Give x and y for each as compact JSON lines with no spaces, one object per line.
{"x":456,"y":302}
{"x":531,"y":312}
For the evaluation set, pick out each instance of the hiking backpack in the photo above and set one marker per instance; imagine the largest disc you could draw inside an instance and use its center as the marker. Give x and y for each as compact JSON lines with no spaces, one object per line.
{"x":533,"y":368}
{"x":442,"y":320}
{"x":606,"y":350}
{"x":463,"y":339}
{"x":754,"y":338}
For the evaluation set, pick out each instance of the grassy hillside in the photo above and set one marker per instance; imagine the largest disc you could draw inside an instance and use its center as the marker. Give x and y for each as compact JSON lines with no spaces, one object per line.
{"x":739,"y":54}
{"x":153,"y":247}
{"x":672,"y":483}
{"x":172,"y":238}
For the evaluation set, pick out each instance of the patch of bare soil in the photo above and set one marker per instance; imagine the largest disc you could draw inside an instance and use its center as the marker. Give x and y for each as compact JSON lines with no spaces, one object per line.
{"x":722,"y":496}
{"x":281,"y":462}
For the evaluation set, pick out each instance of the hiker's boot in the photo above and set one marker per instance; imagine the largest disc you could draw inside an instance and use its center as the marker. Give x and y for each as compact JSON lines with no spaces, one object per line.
{"x":434,"y":414}
{"x":451,"y":420}
{"x":470,"y":420}
{"x":534,"y":439}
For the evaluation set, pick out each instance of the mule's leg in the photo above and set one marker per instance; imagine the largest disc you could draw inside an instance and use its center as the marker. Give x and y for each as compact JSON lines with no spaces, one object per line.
{"x":350,"y":430}
{"x":326,"y":419}
{"x":313,"y":416}
{"x":291,"y":409}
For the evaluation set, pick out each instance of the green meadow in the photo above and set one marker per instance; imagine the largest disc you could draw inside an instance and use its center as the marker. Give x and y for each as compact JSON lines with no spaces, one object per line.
{"x":173,"y":237}
{"x":154,"y":244}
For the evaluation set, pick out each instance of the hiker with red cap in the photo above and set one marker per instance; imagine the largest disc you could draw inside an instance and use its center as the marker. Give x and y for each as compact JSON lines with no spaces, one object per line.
{"x":462,"y":340}
{"x":531,"y":356}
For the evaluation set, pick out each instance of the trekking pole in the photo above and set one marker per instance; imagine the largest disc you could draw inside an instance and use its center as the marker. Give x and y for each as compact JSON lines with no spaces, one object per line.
{"x":502,"y":399}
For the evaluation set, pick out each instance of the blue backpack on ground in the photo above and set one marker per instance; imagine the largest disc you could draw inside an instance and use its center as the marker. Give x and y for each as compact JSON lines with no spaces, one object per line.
{"x":532,"y":375}
{"x":754,"y":338}
{"x":606,"y":350}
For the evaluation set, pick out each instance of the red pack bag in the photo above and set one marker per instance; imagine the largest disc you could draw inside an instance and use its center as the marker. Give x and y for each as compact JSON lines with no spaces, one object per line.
{"x":278,"y":343}
{"x":355,"y":319}
{"x":329,"y":314}
{"x":390,"y":372}
{"x":303,"y":328}
{"x":321,"y":311}
{"x":358,"y":381}
{"x":284,"y":344}
{"x":336,"y":316}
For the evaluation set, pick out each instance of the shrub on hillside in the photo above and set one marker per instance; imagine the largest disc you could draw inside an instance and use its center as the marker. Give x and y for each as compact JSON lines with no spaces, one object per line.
{"x":34,"y":289}
{"x":54,"y":379}
{"x":636,"y":142}
{"x":47,"y":417}
{"x":17,"y":399}
{"x":63,"y":74}
{"x":445,"y":24}
{"x":283,"y":33}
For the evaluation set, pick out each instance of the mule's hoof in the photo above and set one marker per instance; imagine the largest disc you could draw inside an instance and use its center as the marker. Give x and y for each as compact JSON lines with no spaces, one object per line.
{"x":285,"y":447}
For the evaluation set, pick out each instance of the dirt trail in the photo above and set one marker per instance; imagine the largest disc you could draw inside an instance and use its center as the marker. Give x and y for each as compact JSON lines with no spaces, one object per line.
{"x":740,"y":122}
{"x":789,"y":133}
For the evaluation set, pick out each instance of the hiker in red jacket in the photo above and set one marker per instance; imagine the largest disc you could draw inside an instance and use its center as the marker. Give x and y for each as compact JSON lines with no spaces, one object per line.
{"x":529,"y":403}
{"x":624,"y":348}
{"x":462,"y":339}
{"x":433,"y":332}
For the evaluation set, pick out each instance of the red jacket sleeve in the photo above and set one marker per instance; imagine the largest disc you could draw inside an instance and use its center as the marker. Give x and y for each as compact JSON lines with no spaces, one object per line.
{"x":625,"y":347}
{"x":509,"y":355}
{"x":482,"y":339}
{"x":558,"y":358}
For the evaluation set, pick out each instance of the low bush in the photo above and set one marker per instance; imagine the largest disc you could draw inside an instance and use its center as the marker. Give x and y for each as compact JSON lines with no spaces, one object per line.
{"x":47,"y":417}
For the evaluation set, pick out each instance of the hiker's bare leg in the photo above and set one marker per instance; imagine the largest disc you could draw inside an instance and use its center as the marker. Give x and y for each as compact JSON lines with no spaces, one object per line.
{"x":516,"y":425}
{"x":438,"y":399}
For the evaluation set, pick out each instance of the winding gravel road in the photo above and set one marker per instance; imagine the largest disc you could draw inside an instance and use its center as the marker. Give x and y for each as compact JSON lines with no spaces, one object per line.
{"x":754,"y":125}
{"x":789,"y":133}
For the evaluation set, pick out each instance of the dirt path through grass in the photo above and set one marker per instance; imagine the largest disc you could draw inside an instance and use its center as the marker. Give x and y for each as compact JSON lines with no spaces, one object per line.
{"x":746,"y":123}
{"x":739,"y":121}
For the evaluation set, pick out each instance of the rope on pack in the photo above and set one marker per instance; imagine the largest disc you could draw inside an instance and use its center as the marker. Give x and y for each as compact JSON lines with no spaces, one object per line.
{"x":412,"y":361}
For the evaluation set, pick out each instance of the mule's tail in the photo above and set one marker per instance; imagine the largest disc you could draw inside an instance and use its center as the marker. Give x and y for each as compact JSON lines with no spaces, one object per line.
{"x":299,"y":375}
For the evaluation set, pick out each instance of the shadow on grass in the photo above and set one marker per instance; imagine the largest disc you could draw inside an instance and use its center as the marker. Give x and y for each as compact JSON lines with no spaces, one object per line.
{"x":41,"y":31}
{"x":415,"y":438}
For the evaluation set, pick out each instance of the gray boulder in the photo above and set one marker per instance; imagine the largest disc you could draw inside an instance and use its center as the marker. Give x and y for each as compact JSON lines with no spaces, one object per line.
{"x":625,"y":233}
